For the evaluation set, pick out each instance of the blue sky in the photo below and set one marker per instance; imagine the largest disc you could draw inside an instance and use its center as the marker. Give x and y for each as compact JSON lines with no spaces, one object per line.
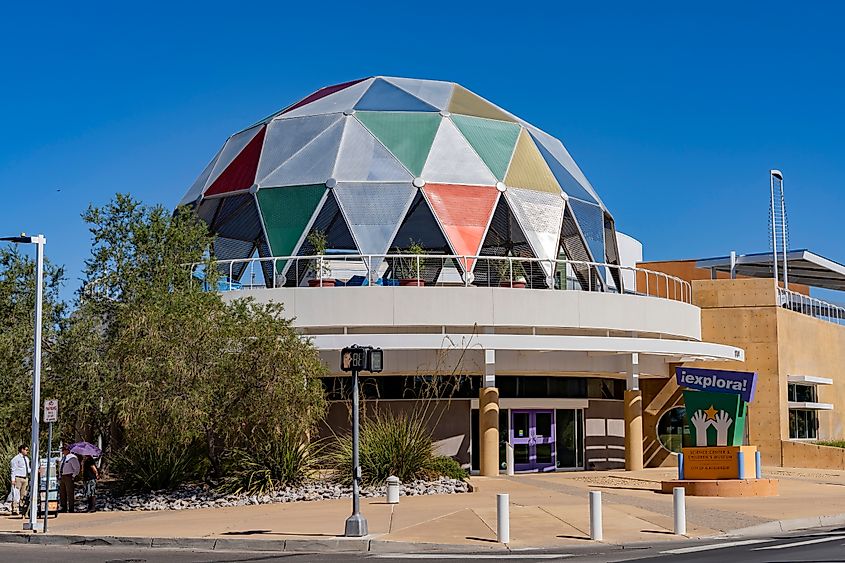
{"x":675,"y":113}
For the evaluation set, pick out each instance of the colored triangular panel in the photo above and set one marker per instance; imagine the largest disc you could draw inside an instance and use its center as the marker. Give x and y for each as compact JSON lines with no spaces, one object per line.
{"x":338,"y":102}
{"x":528,"y":169}
{"x":567,"y":182}
{"x":419,"y":226}
{"x":240,"y":174}
{"x":384,"y":96}
{"x":311,"y":165}
{"x":493,"y":140}
{"x":374,"y":212}
{"x":559,"y":152}
{"x":464,"y":213}
{"x":432,"y":92}
{"x":287,"y":212}
{"x":322,"y":93}
{"x":195,"y":191}
{"x":286,"y":136}
{"x":407,"y":135}
{"x":466,"y":103}
{"x":233,"y":147}
{"x":540,"y":215}
{"x":362,"y":158}
{"x":453,"y":161}
{"x":591,"y":220}
{"x":238,"y":219}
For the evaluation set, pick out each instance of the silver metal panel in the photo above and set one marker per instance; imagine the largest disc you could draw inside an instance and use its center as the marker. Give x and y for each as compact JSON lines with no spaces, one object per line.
{"x":453,"y":161}
{"x":374,"y":212}
{"x":341,"y":101}
{"x":557,"y":150}
{"x":540,"y":215}
{"x":195,"y":191}
{"x":591,"y":220}
{"x":286,"y":136}
{"x":231,"y":149}
{"x":311,"y":165}
{"x":434,"y":92}
{"x":363,"y":158}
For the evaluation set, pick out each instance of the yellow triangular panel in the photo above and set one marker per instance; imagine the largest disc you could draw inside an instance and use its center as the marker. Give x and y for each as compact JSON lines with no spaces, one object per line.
{"x":528,"y":168}
{"x":465,"y":102}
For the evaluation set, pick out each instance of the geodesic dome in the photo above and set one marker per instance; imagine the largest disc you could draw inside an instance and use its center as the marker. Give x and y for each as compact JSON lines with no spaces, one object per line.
{"x":380,"y":162}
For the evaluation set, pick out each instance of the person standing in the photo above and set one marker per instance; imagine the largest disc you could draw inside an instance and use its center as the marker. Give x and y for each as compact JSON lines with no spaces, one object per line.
{"x":20,"y":477}
{"x":90,"y":474}
{"x":68,"y":470}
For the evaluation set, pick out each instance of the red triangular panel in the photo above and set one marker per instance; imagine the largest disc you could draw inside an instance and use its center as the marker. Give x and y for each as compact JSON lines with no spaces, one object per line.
{"x":464,"y":213}
{"x":240,"y":174}
{"x":322,"y":93}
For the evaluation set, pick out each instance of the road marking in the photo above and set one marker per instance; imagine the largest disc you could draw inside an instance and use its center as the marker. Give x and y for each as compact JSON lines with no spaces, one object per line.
{"x":708,"y":547}
{"x":800,"y":543}
{"x":499,"y":556}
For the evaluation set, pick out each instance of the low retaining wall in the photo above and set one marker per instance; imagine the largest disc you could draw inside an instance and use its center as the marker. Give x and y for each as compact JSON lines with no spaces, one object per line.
{"x":800,"y":454}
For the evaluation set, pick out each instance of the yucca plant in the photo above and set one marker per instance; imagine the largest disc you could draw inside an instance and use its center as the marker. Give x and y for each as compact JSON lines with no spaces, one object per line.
{"x":273,"y":463}
{"x":154,"y":467}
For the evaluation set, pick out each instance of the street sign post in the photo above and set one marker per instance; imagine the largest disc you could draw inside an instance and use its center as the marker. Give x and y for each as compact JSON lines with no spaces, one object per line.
{"x":356,"y":359}
{"x":51,"y":415}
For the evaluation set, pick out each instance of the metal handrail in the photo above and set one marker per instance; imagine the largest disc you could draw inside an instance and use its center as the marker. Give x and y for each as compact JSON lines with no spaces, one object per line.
{"x":810,"y":306}
{"x":507,"y":271}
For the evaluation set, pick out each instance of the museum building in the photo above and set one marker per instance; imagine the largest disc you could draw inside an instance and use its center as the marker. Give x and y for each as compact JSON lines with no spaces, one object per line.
{"x":416,"y":216}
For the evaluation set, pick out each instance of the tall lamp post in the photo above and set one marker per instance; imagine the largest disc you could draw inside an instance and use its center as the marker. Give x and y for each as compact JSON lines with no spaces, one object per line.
{"x":39,"y":241}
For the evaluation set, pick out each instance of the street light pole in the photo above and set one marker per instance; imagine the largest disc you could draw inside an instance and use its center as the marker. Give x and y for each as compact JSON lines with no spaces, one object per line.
{"x":39,"y":241}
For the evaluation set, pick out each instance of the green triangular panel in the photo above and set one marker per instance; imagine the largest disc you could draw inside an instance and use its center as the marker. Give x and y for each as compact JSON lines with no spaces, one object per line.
{"x":286,"y":213}
{"x":493,"y":140}
{"x":408,"y":135}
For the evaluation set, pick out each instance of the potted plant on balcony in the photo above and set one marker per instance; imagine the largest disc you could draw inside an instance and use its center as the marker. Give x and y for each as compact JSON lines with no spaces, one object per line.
{"x":322,"y":268}
{"x":406,"y":268}
{"x":512,"y":274}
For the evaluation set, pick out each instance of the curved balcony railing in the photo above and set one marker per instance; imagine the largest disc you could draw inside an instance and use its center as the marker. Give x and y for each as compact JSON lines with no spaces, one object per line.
{"x":811,"y":306}
{"x":434,"y":270}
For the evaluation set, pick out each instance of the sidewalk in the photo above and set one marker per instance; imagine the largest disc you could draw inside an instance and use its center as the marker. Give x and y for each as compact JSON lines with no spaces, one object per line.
{"x":547,"y":510}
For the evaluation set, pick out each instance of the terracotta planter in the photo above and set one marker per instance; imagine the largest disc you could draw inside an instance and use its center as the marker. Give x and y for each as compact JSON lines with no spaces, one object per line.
{"x":515,"y":285}
{"x":413,"y":282}
{"x":326,"y":282}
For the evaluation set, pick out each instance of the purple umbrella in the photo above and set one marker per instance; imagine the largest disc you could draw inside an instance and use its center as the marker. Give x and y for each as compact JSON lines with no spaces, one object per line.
{"x":85,"y":448}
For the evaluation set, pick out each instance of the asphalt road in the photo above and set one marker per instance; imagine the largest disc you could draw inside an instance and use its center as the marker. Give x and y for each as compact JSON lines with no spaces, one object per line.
{"x":826,"y":546}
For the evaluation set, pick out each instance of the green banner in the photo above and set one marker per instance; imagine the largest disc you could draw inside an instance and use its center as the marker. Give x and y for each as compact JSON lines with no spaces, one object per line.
{"x":715,"y":419}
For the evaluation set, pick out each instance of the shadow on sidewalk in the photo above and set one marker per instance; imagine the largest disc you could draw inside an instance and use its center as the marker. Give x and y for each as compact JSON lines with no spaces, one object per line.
{"x":272,"y":533}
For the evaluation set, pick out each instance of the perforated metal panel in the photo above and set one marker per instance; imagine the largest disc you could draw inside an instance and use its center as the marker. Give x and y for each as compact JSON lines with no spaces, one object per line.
{"x":311,"y":165}
{"x":611,"y":251}
{"x":540,"y":215}
{"x":453,"y":161}
{"x":384,"y":96}
{"x":567,"y":183}
{"x":232,"y":149}
{"x":195,"y":191}
{"x":528,"y":169}
{"x":408,"y":135}
{"x":575,"y":248}
{"x":240,"y":174}
{"x":591,"y":220}
{"x":493,"y":140}
{"x":229,"y":249}
{"x":556,"y":148}
{"x":229,"y":206}
{"x":285,"y":137}
{"x":464,"y":213}
{"x":467,"y":103}
{"x":374,"y":212}
{"x":242,"y":224}
{"x":432,"y":92}
{"x":321,"y":93}
{"x":287,"y":212}
{"x":338,"y":102}
{"x":363,"y":158}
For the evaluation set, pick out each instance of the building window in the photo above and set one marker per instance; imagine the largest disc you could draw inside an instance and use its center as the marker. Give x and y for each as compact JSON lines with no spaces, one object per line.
{"x":802,"y":393}
{"x":672,"y":430}
{"x":803,"y":424}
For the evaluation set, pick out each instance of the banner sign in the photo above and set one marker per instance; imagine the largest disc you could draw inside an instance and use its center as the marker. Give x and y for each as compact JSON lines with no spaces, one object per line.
{"x":740,"y":383}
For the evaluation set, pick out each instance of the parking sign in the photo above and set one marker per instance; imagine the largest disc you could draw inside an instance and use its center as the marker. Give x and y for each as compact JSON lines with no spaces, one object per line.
{"x":51,"y":410}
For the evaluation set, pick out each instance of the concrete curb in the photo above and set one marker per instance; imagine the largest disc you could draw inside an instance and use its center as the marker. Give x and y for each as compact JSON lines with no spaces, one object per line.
{"x":794,"y":525}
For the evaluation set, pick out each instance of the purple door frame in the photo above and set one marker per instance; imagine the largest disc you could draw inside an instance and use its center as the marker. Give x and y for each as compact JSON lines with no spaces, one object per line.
{"x":532,"y":440}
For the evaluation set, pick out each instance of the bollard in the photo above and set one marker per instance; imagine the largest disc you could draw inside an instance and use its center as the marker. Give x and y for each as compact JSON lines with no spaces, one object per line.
{"x":503,"y":518}
{"x":679,"y":503}
{"x":393,"y":490}
{"x":759,"y":465}
{"x":595,"y":516}
{"x":509,"y":457}
{"x":741,"y":465}
{"x":680,"y":467}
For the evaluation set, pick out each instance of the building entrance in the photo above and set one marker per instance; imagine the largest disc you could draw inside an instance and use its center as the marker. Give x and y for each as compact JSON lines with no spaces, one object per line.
{"x":533,"y":440}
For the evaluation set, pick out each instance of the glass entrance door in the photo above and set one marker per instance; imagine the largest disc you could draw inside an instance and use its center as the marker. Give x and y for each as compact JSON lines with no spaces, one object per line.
{"x":533,"y":440}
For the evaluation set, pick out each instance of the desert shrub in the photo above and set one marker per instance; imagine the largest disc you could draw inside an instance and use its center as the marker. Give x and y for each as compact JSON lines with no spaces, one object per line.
{"x":831,"y":443}
{"x":390,"y":443}
{"x":8,"y":450}
{"x":447,"y":467}
{"x":157,"y":466}
{"x":271,"y":464}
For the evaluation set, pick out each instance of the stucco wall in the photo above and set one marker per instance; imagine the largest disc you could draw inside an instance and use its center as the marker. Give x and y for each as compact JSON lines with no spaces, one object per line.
{"x":799,"y":454}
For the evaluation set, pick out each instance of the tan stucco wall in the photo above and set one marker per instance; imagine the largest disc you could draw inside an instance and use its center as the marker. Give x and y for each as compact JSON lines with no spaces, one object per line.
{"x":798,"y":454}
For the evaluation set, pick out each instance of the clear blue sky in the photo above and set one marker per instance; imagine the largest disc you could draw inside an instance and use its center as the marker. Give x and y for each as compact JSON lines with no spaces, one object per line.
{"x":675,"y":114}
